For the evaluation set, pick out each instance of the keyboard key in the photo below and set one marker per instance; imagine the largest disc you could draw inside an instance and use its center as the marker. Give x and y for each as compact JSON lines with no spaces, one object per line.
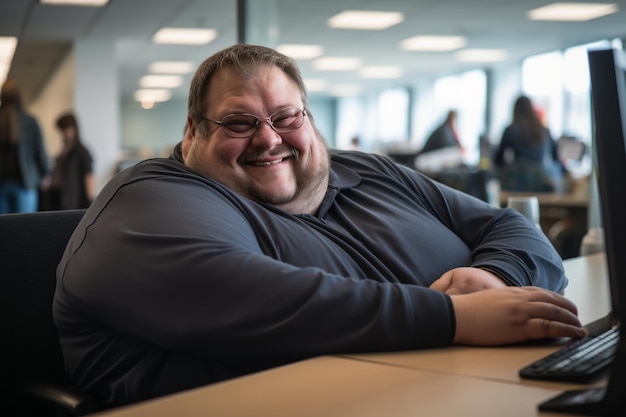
{"x":580,"y":361}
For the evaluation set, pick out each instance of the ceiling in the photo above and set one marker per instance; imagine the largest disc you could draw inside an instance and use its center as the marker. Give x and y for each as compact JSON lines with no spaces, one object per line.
{"x":45,"y":34}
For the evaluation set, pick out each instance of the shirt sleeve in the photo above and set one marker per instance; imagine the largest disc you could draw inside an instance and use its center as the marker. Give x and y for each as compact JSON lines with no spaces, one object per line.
{"x":197,"y":280}
{"x":500,"y":239}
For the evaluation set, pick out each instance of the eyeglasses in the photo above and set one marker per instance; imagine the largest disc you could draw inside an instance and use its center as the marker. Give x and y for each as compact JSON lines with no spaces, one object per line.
{"x":244,"y":125}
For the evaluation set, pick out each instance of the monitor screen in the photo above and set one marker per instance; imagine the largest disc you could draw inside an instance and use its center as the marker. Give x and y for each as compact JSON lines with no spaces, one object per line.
{"x":608,"y":93}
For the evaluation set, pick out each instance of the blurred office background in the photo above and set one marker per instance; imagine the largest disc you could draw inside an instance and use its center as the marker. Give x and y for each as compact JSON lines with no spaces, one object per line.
{"x":395,"y":81}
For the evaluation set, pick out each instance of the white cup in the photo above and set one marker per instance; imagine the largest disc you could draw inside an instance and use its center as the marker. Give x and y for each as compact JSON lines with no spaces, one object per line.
{"x":527,"y":205}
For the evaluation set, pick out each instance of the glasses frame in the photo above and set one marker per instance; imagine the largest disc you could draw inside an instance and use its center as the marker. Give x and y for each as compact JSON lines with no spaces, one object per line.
{"x":267,"y":119}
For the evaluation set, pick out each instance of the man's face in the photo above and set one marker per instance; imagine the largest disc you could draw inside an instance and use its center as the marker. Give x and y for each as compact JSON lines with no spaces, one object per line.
{"x":289,"y":170}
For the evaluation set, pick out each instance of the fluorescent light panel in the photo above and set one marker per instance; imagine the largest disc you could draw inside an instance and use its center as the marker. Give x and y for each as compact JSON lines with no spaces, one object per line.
{"x":7,"y":49}
{"x":343,"y":90}
{"x":380,"y":72}
{"x":363,"y":19}
{"x":481,"y":55}
{"x":184,"y":36}
{"x":92,"y":3}
{"x":433,"y":43}
{"x":316,"y":84}
{"x":171,"y":67}
{"x":336,"y":64}
{"x":300,"y":51}
{"x":161,"y":81}
{"x":155,"y":95}
{"x":573,"y":12}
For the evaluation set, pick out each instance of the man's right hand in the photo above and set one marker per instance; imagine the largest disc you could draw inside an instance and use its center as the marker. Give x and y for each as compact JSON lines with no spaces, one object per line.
{"x":513,"y":314}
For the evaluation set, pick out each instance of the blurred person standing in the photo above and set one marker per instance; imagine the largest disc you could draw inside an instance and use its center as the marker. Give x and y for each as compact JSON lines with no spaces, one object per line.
{"x":527,"y":158}
{"x":24,"y":164}
{"x":73,"y":182}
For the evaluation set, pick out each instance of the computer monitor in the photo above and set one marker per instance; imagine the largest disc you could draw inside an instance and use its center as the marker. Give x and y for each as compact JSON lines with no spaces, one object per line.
{"x":607,"y":68}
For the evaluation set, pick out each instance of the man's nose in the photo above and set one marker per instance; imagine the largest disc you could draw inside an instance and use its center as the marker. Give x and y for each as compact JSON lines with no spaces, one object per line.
{"x":265,"y":135}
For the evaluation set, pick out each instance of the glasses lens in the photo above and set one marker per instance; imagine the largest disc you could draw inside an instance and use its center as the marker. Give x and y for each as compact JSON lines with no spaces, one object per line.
{"x":239,"y":125}
{"x":287,"y":120}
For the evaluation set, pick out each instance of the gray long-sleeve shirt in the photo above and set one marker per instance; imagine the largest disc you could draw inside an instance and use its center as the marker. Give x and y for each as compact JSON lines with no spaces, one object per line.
{"x":172,"y":280}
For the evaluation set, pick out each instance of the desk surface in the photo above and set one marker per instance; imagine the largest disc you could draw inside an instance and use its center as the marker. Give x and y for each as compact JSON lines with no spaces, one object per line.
{"x":331,"y":386}
{"x":444,"y":382}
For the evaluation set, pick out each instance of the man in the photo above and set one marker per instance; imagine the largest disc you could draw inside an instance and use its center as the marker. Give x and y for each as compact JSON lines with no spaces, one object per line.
{"x":252,"y":246}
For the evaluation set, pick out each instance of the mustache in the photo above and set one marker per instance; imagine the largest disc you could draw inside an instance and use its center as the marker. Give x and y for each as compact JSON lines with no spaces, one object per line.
{"x":286,"y":151}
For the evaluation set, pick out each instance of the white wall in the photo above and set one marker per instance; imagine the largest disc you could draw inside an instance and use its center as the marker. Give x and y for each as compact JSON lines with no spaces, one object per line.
{"x":97,"y":103}
{"x":55,"y":98}
{"x":507,"y":85}
{"x":158,"y":128}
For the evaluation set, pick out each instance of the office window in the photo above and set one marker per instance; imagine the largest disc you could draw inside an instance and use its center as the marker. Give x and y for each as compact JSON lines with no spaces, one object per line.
{"x":467,"y":93}
{"x":393,"y":115}
{"x":542,"y":81}
{"x":577,"y":107}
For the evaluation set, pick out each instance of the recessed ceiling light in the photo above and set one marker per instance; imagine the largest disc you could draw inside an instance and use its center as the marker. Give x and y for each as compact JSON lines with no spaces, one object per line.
{"x":172,"y":67}
{"x":572,"y":11}
{"x":336,"y":64}
{"x":362,"y":19}
{"x":300,"y":51}
{"x":95,"y":3}
{"x":315,"y":84}
{"x":155,"y":95}
{"x":161,"y":81}
{"x":433,"y":43}
{"x":380,"y":72}
{"x":185,"y":36}
{"x":343,"y":90}
{"x":481,"y":55}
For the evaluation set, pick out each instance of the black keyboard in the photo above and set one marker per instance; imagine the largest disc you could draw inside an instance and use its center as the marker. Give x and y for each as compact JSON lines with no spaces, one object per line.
{"x":579,"y":361}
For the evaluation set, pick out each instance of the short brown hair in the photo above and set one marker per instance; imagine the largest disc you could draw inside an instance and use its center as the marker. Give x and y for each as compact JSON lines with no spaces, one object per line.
{"x":245,"y":60}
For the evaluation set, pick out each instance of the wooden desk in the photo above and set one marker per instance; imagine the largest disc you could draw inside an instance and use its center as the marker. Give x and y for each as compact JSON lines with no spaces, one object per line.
{"x":457,"y":381}
{"x":336,"y":387}
{"x":573,"y":200}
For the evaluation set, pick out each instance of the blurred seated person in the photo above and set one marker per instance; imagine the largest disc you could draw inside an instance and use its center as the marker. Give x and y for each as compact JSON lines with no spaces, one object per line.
{"x":444,"y":136}
{"x":527,"y":157}
{"x":442,"y":149}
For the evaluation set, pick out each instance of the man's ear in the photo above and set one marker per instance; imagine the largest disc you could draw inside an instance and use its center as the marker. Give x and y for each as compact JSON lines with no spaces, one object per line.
{"x":190,"y":136}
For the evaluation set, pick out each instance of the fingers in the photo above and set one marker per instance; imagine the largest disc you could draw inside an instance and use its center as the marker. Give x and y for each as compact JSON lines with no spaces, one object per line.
{"x":540,"y":295}
{"x":551,"y":315}
{"x":442,"y":283}
{"x":544,"y":328}
{"x":513,"y":315}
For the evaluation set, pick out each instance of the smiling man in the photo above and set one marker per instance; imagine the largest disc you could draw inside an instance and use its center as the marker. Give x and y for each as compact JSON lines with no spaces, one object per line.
{"x":253,"y":246}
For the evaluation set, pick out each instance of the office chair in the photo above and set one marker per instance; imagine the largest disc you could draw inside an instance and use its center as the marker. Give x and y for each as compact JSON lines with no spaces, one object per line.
{"x":525,"y":178}
{"x":34,"y":381}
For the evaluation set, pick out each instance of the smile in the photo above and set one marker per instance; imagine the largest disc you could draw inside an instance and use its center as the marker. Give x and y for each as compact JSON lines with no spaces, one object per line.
{"x":266,"y":163}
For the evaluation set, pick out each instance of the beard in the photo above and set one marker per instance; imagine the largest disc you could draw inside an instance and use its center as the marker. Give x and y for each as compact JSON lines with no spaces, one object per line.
{"x":311,"y":179}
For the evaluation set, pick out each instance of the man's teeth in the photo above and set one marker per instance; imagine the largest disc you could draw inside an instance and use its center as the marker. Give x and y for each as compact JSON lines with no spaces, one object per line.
{"x":259,"y":163}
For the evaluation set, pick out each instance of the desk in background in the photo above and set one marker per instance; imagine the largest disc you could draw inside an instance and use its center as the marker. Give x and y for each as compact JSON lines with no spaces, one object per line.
{"x":457,"y":381}
{"x":563,"y":217}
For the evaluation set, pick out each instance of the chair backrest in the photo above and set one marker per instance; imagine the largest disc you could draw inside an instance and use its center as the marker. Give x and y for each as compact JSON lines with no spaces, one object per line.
{"x":31,"y":246}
